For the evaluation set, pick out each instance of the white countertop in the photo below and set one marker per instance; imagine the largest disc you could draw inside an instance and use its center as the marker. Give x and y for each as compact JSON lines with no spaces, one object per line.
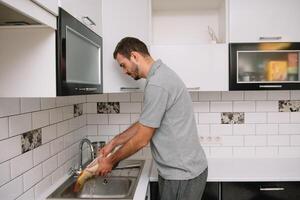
{"x":249,"y":169}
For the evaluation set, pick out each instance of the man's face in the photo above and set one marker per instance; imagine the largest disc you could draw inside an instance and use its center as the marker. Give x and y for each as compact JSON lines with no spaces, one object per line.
{"x":129,"y":66}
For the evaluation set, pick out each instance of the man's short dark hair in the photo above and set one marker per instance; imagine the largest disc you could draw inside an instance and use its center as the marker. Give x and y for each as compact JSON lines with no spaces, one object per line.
{"x":130,"y":44}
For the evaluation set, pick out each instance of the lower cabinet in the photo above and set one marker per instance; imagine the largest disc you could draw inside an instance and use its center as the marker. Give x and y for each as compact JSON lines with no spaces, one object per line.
{"x":211,"y":191}
{"x":260,"y":191}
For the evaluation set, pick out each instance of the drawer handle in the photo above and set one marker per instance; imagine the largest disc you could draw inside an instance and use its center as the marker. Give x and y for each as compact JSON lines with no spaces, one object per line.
{"x":270,"y":38}
{"x":129,"y":88}
{"x":193,"y":88}
{"x":89,"y":20}
{"x":272,"y":189}
{"x":270,"y":86}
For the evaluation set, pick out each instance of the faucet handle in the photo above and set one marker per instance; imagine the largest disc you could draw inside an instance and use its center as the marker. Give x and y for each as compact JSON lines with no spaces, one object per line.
{"x":74,"y":171}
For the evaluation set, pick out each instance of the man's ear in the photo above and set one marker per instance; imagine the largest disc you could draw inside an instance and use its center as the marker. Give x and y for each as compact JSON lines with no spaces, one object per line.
{"x":135,"y":56}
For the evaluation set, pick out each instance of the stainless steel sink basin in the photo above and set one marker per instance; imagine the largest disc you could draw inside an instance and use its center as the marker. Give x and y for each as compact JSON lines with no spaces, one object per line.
{"x":120,"y":184}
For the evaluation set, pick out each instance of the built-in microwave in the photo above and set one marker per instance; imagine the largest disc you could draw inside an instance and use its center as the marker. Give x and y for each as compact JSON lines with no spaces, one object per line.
{"x":79,"y":57}
{"x":264,"y":66}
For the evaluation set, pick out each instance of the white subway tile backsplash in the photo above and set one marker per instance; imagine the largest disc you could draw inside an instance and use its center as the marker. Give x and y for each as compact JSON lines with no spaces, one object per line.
{"x":68,"y":112}
{"x":209,"y":118}
{"x":9,"y":106}
{"x":32,"y":176}
{"x":203,"y":130}
{"x":119,"y":118}
{"x":41,"y":153}
{"x":243,"y":129}
{"x":28,"y":195}
{"x":243,"y":152}
{"x":4,"y":173}
{"x":76,"y":99}
{"x":47,"y":103}
{"x":10,"y":148}
{"x":209,"y":96}
{"x":56,"y":146}
{"x":295,"y":94}
{"x":30,"y":104}
{"x":289,"y":129}
{"x":124,"y":127}
{"x":289,"y":152}
{"x":49,"y":165}
{"x":97,"y":98}
{"x":266,"y":151}
{"x":98,"y":138}
{"x":42,"y":187}
{"x":202,"y":106}
{"x":255,"y":140}
{"x":119,"y":97}
{"x":243,"y":106}
{"x":62,"y":101}
{"x":194,"y":96}
{"x":295,"y":140}
{"x":48,"y":133}
{"x":278,"y":140}
{"x":57,"y":174}
{"x":232,"y":140}
{"x":12,"y":190}
{"x":278,"y":95}
{"x":19,"y":124}
{"x":91,"y":108}
{"x":3,"y":128}
{"x":225,"y":106}
{"x":21,"y":164}
{"x":92,"y":129}
{"x":221,"y":152}
{"x":40,"y":119}
{"x":137,"y":97}
{"x":221,"y":129}
{"x":97,"y":119}
{"x":267,"y":106}
{"x":232,"y":95}
{"x":62,"y":128}
{"x":266,"y":129}
{"x":130,"y":107}
{"x":255,"y":95}
{"x":134,"y":118}
{"x":295,"y":117}
{"x":255,"y":118}
{"x":108,"y":129}
{"x":56,"y":115}
{"x":283,"y":117}
{"x":61,"y":158}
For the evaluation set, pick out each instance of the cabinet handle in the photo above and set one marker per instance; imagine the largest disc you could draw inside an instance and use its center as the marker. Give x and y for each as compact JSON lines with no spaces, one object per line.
{"x":270,"y":38}
{"x":129,"y":88}
{"x":270,"y":86}
{"x":272,"y":189}
{"x":89,"y":20}
{"x":193,"y":88}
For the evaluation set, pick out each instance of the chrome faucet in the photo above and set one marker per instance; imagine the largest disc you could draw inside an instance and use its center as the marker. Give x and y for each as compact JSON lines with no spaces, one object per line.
{"x":85,"y":140}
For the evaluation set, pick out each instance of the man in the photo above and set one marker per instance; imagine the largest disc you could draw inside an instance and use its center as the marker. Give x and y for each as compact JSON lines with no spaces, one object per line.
{"x":167,"y":122}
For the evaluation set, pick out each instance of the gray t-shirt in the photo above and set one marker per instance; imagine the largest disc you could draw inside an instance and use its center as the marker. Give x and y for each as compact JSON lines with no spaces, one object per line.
{"x":168,"y":107}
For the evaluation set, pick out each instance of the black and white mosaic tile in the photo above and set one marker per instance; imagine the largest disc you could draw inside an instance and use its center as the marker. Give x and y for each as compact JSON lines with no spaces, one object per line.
{"x":108,"y":107}
{"x":78,"y":109}
{"x":289,"y":106}
{"x":31,"y":140}
{"x":233,"y":118}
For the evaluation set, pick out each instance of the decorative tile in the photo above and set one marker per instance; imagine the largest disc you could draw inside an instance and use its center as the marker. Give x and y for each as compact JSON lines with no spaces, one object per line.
{"x":31,"y":140}
{"x":289,"y":106}
{"x":233,"y":118}
{"x":108,"y":107}
{"x":78,"y":109}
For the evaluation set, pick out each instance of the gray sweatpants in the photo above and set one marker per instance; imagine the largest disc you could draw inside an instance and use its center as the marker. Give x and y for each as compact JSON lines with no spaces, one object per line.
{"x":182,"y":189}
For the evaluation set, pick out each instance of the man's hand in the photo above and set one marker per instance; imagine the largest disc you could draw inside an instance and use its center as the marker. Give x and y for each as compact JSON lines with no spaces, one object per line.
{"x":104,"y":166}
{"x":104,"y":151}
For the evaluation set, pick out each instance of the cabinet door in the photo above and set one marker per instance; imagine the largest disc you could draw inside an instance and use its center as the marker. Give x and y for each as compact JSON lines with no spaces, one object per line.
{"x":201,"y":67}
{"x":88,"y":12}
{"x":261,"y":191}
{"x":264,"y":20}
{"x":122,"y":18}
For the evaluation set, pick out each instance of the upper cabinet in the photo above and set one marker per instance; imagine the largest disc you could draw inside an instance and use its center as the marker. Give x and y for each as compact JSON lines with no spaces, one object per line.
{"x":264,"y":20}
{"x":87,"y":11}
{"x":49,"y":5}
{"x":122,"y":18}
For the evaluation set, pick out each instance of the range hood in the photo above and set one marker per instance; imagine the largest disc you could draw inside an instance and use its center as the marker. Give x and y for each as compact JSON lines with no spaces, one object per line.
{"x":12,"y":17}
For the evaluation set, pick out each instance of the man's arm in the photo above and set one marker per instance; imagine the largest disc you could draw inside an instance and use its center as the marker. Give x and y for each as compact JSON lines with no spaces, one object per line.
{"x":135,"y":143}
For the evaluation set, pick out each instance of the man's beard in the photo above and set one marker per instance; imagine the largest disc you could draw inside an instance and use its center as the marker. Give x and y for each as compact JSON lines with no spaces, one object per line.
{"x":136,"y":73}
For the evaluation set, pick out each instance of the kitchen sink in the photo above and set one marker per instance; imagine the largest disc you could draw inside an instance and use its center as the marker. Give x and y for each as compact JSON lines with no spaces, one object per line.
{"x":120,"y":184}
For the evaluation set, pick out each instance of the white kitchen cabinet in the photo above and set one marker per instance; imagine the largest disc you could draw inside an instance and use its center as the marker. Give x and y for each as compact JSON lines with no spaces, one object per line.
{"x":30,"y":9}
{"x":49,"y":5}
{"x":122,"y":18}
{"x":27,"y":62}
{"x":201,"y":67}
{"x":264,"y":20}
{"x":88,"y":12}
